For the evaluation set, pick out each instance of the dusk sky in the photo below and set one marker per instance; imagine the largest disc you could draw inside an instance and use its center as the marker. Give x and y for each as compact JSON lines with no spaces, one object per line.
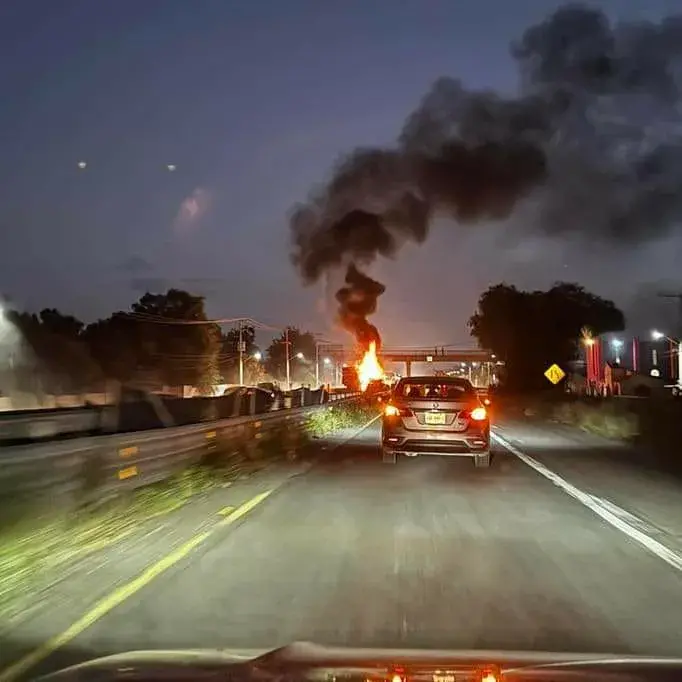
{"x":252,"y":102}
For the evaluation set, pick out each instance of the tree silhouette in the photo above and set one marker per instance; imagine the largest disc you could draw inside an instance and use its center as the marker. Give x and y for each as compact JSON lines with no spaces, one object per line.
{"x":530,"y":330}
{"x":302,"y":368}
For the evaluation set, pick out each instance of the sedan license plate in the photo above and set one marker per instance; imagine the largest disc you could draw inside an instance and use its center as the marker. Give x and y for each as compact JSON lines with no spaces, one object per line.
{"x":434,"y":418}
{"x":443,"y":677}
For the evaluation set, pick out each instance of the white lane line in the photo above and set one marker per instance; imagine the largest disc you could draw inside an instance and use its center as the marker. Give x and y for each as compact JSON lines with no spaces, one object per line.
{"x":596,"y":505}
{"x":628,"y":517}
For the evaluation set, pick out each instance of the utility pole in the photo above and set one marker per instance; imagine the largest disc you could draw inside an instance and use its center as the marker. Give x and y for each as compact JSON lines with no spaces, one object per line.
{"x":288,"y":356}
{"x":320,"y":341}
{"x":241,"y":353}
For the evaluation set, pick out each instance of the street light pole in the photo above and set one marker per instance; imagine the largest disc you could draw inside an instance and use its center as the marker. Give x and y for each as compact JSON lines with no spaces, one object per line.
{"x":241,"y":354}
{"x":317,"y":364}
{"x":320,"y":341}
{"x":286,"y":347}
{"x":675,"y":349}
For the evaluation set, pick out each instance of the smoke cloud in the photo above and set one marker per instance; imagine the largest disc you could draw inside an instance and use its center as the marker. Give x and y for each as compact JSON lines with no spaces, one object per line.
{"x":592,"y":142}
{"x":357,"y":301}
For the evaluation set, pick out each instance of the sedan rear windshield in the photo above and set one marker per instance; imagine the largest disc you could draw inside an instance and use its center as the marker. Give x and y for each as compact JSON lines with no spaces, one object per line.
{"x":433,"y":390}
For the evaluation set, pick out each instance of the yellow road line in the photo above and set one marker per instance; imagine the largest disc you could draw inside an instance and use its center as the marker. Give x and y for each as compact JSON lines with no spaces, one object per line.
{"x":118,"y":596}
{"x":240,"y":511}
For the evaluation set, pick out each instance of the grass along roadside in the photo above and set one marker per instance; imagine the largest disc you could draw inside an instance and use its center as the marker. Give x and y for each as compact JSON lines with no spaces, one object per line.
{"x":337,"y":417}
{"x":603,"y":419}
{"x":37,"y":552}
{"x":650,"y":424}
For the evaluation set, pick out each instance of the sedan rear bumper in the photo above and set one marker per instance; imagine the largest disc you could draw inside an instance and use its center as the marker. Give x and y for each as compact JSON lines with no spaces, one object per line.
{"x":437,"y":453}
{"x":467,"y":444}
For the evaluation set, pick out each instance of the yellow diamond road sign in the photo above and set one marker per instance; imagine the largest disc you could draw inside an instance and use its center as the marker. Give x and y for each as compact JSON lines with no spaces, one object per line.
{"x":555,"y":374}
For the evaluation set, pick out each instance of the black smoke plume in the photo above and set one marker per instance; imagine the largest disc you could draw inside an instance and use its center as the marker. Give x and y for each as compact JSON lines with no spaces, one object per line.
{"x":591,"y":145}
{"x":357,"y":301}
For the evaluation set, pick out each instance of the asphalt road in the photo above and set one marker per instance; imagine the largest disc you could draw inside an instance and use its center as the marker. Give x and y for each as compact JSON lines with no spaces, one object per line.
{"x":427,"y":553}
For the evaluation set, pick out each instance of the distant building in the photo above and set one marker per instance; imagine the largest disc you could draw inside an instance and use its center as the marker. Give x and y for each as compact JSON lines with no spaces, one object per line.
{"x":655,"y":358}
{"x":618,"y":363}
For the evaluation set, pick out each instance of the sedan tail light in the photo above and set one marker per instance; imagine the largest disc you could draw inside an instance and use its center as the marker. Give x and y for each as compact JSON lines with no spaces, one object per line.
{"x":393,"y":411}
{"x":479,"y":414}
{"x":489,"y":675}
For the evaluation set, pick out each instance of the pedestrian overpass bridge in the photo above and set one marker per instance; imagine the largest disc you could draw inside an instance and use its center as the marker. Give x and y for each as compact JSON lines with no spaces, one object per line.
{"x":408,"y":356}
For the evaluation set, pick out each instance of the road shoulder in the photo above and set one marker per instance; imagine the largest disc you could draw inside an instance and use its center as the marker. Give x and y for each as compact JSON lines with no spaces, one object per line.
{"x":55,"y":602}
{"x":614,"y":472}
{"x":58,"y":606}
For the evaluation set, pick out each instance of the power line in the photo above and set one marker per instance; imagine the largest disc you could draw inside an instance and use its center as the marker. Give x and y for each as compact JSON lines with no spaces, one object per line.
{"x":160,"y":319}
{"x":678,"y":297}
{"x":235,"y":321}
{"x":169,"y":167}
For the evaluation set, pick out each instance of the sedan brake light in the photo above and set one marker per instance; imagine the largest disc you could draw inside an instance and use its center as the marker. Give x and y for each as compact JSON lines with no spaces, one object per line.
{"x":479,"y":414}
{"x":393,"y":411}
{"x":489,"y":675}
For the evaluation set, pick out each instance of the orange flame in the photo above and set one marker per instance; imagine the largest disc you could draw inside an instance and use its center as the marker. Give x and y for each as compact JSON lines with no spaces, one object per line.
{"x":369,"y":368}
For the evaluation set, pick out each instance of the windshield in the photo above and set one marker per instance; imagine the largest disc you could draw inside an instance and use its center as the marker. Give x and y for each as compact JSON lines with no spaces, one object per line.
{"x":353,"y":323}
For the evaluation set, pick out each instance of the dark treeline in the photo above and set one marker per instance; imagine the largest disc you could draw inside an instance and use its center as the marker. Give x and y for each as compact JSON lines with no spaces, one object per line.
{"x":167,"y":340}
{"x":531,"y":330}
{"x":164,"y":340}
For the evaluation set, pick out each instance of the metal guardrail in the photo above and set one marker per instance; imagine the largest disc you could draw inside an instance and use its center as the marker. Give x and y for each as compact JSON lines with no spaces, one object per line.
{"x":66,"y":474}
{"x":35,"y":424}
{"x":28,"y":425}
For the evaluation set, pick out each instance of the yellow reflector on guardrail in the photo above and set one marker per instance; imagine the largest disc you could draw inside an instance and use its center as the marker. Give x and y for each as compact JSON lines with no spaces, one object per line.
{"x":129,"y":472}
{"x":210,"y":434}
{"x":129,"y":451}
